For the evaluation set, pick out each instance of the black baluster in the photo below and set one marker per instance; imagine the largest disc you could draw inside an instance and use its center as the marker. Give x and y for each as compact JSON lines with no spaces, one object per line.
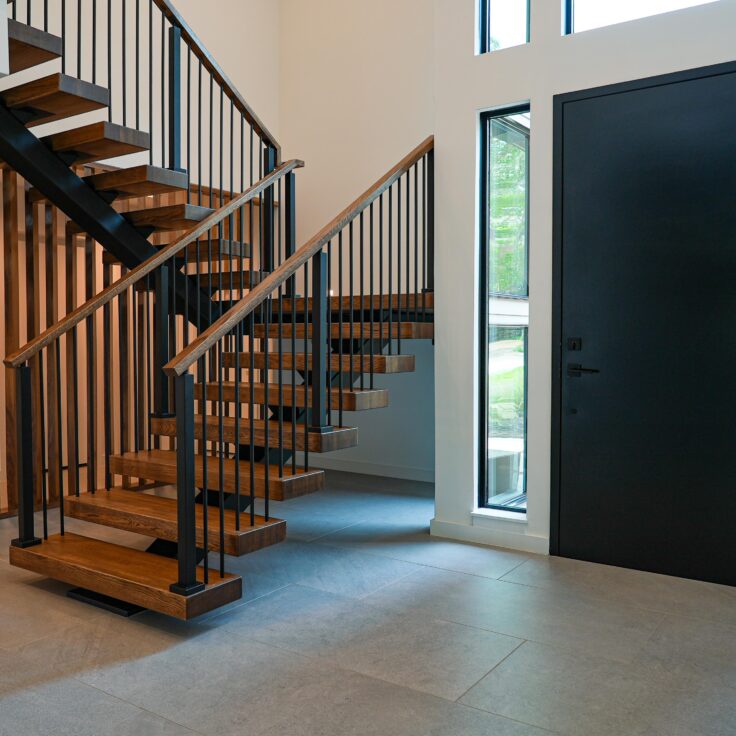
{"x":430,"y":221}
{"x":371,"y":295}
{"x":24,"y":469}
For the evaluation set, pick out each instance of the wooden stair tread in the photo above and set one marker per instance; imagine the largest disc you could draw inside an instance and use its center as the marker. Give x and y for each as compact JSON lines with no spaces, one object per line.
{"x":168,"y":217}
{"x":356,"y":331}
{"x":360,"y":363}
{"x":139,"y":181}
{"x":128,"y":574}
{"x":97,"y":141}
{"x":413,"y":303}
{"x":228,"y":280}
{"x":54,"y":97}
{"x":28,"y":46}
{"x":336,"y":438}
{"x":230,"y":251}
{"x":160,"y":465}
{"x":156,"y":516}
{"x":353,"y":399}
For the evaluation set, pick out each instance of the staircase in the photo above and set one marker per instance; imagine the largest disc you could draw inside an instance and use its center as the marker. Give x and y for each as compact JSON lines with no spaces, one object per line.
{"x":191,"y":391}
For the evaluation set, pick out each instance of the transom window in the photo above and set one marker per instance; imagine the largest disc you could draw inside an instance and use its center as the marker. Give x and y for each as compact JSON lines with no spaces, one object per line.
{"x":584,"y":15}
{"x":504,"y":23}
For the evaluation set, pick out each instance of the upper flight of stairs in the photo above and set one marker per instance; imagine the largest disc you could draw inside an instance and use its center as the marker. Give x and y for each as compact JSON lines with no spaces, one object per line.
{"x":274,"y":389}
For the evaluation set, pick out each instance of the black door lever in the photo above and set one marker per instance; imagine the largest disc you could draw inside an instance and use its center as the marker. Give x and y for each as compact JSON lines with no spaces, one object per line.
{"x":575,"y":370}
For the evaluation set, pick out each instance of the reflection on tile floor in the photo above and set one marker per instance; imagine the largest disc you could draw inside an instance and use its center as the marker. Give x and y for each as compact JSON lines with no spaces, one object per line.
{"x":362,"y":624}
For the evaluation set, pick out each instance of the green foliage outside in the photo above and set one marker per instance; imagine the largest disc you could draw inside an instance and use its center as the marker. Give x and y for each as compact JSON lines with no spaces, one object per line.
{"x":507,"y":382}
{"x":508,"y":210}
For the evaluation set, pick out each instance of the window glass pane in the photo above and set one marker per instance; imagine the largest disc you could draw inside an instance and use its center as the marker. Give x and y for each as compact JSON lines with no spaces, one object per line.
{"x":508,"y":172}
{"x":508,"y":23}
{"x":506,"y":467}
{"x":597,"y":13}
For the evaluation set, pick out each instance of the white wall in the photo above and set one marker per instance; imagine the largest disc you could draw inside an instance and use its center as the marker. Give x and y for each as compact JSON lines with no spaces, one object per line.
{"x":357,"y":83}
{"x":243,"y":37}
{"x":466,"y":84}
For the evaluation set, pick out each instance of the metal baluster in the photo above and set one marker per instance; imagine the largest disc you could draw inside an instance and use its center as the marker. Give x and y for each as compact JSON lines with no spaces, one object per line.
{"x":94,"y":34}
{"x":307,"y":375}
{"x":371,"y":295}
{"x":79,"y":35}
{"x":380,"y":266}
{"x":390,"y":268}
{"x":150,"y":79}
{"x":138,"y":64}
{"x":42,"y":429}
{"x":416,"y":245}
{"x":340,"y":399}
{"x":398,"y":264}
{"x":24,"y":469}
{"x":221,"y":459}
{"x":63,"y":33}
{"x":362,"y":305}
{"x":163,"y":90}
{"x":328,"y":376}
{"x":351,"y":272}
{"x":60,"y":459}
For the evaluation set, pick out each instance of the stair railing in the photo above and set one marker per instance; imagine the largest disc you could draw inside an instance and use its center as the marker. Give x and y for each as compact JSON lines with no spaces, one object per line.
{"x":314,"y":327}
{"x":59,"y":371}
{"x":163,"y":81}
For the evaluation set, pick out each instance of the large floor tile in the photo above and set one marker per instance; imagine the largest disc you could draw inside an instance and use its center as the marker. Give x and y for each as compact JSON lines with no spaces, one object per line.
{"x":65,"y":708}
{"x":340,"y":571}
{"x":553,"y":616}
{"x":655,"y":592}
{"x":229,"y":686}
{"x":579,"y":695}
{"x":109,"y":641}
{"x":411,"y":542}
{"x":692,"y":647}
{"x":432,"y":656}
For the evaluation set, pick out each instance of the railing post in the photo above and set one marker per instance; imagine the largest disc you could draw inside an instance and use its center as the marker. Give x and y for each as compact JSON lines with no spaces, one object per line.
{"x":161,"y":404}
{"x":185,"y":490}
{"x":319,"y":343}
{"x":430,"y":221}
{"x":267,"y":213}
{"x":289,"y":223}
{"x":175,"y":98}
{"x":24,"y":470}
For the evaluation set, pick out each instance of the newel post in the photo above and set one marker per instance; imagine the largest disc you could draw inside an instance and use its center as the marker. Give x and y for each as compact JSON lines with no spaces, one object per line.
{"x":24,"y":459}
{"x":185,"y":489}
{"x":320,"y":342}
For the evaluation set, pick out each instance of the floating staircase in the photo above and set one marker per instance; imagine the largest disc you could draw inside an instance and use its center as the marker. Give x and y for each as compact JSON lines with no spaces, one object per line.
{"x":215,"y":357}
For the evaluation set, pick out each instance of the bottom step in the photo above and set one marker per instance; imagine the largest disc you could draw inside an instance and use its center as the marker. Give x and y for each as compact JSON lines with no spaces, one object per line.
{"x":127,"y":574}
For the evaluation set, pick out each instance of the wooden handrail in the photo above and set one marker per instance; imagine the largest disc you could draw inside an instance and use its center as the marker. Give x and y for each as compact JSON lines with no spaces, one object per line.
{"x":196,"y":349}
{"x":23,"y":354}
{"x":214,"y":68}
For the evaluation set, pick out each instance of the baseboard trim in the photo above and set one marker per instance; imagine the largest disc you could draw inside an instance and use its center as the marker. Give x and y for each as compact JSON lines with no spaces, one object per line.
{"x":386,"y":471}
{"x":508,"y":538}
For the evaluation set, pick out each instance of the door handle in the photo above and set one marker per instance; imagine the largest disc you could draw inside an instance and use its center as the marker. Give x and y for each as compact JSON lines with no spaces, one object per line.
{"x":575,"y":370}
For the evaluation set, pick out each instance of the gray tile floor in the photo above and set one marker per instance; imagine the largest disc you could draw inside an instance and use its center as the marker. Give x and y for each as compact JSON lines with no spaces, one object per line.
{"x":361,"y":624}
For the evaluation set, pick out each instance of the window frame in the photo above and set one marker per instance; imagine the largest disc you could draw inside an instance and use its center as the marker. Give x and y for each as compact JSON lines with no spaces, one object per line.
{"x":484,"y":19}
{"x":484,"y":306}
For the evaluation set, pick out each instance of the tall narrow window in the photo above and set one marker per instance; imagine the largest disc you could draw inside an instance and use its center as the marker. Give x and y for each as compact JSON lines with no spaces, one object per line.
{"x":584,"y":15}
{"x":505,"y":306}
{"x":504,"y":23}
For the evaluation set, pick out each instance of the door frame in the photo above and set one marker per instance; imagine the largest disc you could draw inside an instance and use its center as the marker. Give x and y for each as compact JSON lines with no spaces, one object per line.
{"x":559,"y":103}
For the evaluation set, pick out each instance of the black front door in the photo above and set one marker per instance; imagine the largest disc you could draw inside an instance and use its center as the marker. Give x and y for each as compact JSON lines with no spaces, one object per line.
{"x":644,"y":398}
